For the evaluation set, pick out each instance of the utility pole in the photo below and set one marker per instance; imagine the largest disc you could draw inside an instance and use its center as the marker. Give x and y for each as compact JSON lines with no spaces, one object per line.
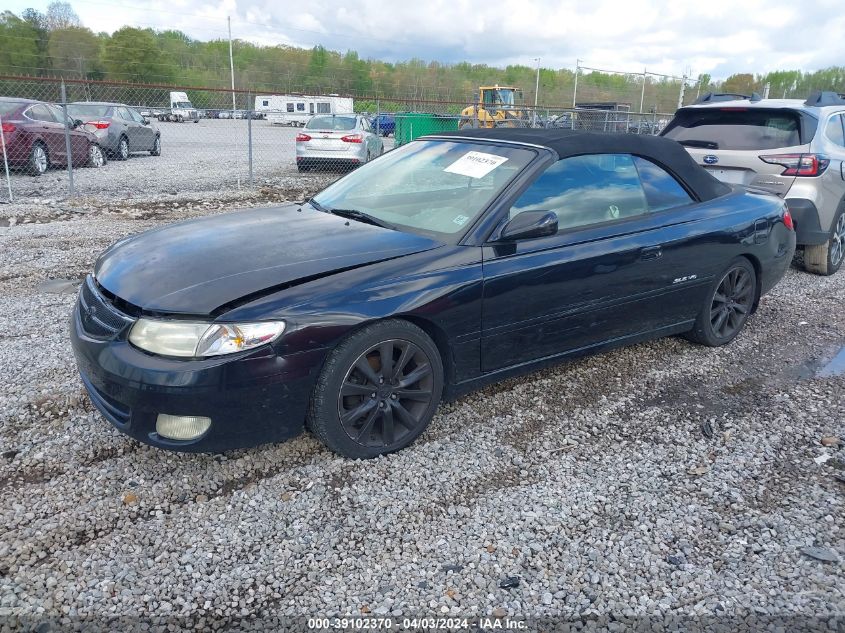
{"x":231,"y":61}
{"x":536,"y":92}
{"x":575,"y":89}
{"x":642,"y":93}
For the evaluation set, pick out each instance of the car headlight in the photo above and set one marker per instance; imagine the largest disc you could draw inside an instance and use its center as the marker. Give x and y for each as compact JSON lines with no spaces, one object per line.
{"x":191,"y":339}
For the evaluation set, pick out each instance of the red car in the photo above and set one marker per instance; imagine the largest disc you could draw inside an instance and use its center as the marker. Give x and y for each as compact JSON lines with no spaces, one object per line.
{"x":34,"y":137}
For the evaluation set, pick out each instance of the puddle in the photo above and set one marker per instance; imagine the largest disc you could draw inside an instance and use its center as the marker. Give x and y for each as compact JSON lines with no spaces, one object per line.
{"x":835,"y":367}
{"x":806,"y":370}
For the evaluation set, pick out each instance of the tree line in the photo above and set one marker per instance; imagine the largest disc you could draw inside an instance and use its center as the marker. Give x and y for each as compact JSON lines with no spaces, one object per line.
{"x":56,"y":44}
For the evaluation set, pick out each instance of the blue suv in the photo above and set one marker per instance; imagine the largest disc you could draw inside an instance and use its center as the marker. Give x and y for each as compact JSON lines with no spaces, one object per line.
{"x":383,"y":124}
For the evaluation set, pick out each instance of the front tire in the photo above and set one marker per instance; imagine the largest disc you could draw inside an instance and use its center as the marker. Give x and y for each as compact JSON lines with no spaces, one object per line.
{"x":39,"y":160}
{"x":96,"y":156}
{"x":378,"y":390}
{"x":826,"y":259}
{"x":156,"y":150}
{"x":728,"y":305}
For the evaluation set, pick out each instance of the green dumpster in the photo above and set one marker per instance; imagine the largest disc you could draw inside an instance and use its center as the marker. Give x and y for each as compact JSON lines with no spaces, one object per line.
{"x":410,"y":125}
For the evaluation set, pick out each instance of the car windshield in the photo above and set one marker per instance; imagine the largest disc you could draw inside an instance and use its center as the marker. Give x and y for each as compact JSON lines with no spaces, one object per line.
{"x":183,"y":104}
{"x":7,"y":107}
{"x":434,"y":187}
{"x":737,"y":129}
{"x":331,"y":123}
{"x":81,"y":111}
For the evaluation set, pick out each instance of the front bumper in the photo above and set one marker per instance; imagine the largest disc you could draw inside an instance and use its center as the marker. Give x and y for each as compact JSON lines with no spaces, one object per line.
{"x":252,"y":398}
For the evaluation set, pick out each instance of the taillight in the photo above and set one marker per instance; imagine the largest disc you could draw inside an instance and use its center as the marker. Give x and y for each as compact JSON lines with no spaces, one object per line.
{"x":353,"y":138}
{"x":100,"y":125}
{"x":787,"y":219}
{"x":798,"y":164}
{"x":302,"y":138}
{"x":8,"y":128}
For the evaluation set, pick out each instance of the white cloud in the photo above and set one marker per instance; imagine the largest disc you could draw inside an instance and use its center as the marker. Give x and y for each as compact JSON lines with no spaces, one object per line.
{"x":719,"y":37}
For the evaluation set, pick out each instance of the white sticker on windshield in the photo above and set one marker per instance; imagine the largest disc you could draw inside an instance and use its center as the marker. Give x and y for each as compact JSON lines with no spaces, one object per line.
{"x":475,"y":164}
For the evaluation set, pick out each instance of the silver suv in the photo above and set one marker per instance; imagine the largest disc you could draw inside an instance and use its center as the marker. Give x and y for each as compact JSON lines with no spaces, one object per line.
{"x":789,"y":147}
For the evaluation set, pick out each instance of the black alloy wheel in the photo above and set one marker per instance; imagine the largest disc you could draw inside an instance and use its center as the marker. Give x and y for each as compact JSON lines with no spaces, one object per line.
{"x":728,"y":305}
{"x":378,"y":390}
{"x":732,"y":302}
{"x":385,"y":394}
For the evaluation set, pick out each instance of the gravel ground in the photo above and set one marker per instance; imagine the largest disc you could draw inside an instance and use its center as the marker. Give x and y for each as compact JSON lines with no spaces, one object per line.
{"x":663,"y":480}
{"x":205,"y":157}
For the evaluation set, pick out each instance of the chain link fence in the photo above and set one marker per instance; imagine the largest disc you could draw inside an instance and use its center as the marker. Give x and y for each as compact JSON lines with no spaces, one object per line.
{"x":118,"y":141}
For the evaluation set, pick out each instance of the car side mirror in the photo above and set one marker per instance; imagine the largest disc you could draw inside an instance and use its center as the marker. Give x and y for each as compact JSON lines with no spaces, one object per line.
{"x":145,"y":121}
{"x":529,"y":225}
{"x":77,"y":123}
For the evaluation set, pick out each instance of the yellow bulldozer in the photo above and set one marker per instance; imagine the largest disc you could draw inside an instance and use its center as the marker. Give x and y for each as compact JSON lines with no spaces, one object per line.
{"x":496,"y":106}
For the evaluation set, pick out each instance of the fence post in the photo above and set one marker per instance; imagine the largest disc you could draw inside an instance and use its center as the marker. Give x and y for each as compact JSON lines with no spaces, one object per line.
{"x":67,"y":142}
{"x":249,"y":114}
{"x":5,"y":160}
{"x":378,"y":118}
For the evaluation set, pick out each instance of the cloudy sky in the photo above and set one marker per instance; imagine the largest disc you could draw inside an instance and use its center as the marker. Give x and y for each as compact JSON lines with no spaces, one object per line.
{"x":719,"y":37}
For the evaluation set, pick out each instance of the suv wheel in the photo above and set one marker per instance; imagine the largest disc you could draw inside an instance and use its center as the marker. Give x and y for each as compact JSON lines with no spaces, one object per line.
{"x":826,"y":259}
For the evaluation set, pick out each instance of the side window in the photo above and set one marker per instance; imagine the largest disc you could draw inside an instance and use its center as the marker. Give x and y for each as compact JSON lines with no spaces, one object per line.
{"x":265,"y":103}
{"x":324,"y":108}
{"x":365,"y":125}
{"x":834,"y":131}
{"x":123,"y":113}
{"x":136,"y":116}
{"x":300,"y":107}
{"x":290,"y":107}
{"x":58,"y":114}
{"x":41,"y":112}
{"x":662,"y":191}
{"x":585,"y":190}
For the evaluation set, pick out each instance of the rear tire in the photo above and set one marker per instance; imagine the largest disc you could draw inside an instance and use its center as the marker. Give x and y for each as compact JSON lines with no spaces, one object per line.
{"x":728,"y":305}
{"x":39,"y":159}
{"x":122,"y":152}
{"x":363,"y":406}
{"x":826,"y":259}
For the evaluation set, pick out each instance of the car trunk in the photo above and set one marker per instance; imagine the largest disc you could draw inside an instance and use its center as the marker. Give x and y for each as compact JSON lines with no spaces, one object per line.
{"x":729,"y":143}
{"x":328,"y":140}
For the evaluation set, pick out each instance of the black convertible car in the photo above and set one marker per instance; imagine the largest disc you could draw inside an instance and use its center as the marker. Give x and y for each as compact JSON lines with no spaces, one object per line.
{"x":450,"y":262}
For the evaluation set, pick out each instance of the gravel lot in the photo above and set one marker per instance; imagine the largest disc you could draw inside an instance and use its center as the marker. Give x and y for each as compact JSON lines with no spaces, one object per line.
{"x":208,"y":156}
{"x":661,"y":480}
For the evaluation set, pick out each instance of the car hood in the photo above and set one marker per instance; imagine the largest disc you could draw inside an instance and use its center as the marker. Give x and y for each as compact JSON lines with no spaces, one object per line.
{"x":203,"y":266}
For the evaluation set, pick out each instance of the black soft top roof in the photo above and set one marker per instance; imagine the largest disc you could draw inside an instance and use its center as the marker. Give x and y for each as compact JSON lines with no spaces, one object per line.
{"x":663,"y":151}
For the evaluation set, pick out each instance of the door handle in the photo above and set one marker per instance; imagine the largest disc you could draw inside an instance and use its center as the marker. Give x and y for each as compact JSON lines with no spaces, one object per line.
{"x":651,"y":252}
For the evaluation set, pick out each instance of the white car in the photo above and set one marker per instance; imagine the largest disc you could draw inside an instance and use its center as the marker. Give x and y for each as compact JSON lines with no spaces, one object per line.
{"x":337,"y":140}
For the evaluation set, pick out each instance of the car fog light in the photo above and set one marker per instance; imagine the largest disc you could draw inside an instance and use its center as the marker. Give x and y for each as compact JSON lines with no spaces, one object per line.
{"x":181,"y":427}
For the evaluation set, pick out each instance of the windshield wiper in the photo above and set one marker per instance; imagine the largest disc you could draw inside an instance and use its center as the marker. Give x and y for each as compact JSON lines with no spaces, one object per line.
{"x":696,"y":143}
{"x":354,"y":214}
{"x":316,"y":205}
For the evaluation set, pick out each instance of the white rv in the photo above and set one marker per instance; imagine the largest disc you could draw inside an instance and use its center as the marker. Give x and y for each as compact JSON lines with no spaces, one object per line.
{"x":296,"y":110}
